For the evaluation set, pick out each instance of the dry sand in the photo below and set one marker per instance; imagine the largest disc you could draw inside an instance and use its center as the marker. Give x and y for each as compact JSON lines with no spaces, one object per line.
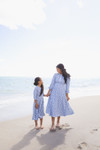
{"x":80,"y":131}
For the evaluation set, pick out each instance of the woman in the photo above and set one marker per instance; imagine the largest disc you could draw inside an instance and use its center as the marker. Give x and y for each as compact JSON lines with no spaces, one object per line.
{"x":58,"y":104}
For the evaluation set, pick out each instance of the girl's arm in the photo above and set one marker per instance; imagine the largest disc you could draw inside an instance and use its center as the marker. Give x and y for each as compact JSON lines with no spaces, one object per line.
{"x":36,"y":104}
{"x":35,"y":97}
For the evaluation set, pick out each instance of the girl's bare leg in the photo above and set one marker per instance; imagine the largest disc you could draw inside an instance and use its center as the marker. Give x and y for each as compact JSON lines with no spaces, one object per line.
{"x":41,"y":123}
{"x":36,"y":124}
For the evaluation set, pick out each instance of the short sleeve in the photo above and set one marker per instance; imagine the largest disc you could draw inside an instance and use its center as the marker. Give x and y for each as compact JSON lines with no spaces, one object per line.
{"x":67,"y":85}
{"x":52,"y":82}
{"x":35,"y":93}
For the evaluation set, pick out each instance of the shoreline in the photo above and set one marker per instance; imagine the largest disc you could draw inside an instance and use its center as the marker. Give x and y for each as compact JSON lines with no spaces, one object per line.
{"x":28,"y":104}
{"x":80,"y":131}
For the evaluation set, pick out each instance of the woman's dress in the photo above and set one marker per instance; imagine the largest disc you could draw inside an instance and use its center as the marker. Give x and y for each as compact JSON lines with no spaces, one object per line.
{"x":57,"y":103}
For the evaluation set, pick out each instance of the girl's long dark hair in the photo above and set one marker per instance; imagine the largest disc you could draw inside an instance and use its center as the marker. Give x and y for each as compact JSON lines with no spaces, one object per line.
{"x":64,"y":72}
{"x":37,"y":79}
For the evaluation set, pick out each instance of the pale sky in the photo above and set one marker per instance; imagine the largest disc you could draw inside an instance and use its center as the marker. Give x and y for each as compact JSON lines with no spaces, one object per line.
{"x":36,"y":35}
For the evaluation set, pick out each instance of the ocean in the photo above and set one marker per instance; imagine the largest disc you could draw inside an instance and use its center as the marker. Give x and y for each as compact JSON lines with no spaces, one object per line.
{"x":16,"y":94}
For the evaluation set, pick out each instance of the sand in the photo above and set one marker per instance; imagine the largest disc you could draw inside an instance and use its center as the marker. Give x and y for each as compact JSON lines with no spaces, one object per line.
{"x":80,"y":131}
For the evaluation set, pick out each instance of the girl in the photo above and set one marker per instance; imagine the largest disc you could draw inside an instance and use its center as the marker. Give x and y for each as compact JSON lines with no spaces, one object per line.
{"x":38,"y":106}
{"x":58,"y":104}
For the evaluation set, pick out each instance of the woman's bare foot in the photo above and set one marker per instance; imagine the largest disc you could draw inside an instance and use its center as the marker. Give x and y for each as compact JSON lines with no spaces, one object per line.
{"x":37,"y":128}
{"x":58,"y":126}
{"x":41,"y":127}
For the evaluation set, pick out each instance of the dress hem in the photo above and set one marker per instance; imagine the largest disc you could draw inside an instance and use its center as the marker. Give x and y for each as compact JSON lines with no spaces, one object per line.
{"x":60,"y":115}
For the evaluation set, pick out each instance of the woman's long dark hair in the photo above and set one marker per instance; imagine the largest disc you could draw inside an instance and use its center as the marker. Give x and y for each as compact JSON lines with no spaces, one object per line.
{"x":64,"y":72}
{"x":37,"y":79}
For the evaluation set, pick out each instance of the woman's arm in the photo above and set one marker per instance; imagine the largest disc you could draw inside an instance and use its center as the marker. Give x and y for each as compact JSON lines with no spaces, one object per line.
{"x":48,"y":94}
{"x":67,"y":95}
{"x":51,"y":85}
{"x":67,"y":88}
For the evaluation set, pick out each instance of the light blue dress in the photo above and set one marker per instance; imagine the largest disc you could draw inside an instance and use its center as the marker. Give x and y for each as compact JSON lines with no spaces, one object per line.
{"x":57,"y":103}
{"x":38,"y":113}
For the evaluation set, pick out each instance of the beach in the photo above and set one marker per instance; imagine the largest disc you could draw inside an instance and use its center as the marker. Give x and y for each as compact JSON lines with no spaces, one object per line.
{"x":80,"y":131}
{"x":49,"y":53}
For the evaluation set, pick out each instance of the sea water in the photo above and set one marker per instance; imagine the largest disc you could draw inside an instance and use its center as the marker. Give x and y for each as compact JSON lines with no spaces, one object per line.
{"x":16,"y":94}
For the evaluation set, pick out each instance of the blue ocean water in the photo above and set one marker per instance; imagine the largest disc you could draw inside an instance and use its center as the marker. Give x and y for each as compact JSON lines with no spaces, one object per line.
{"x":16,"y":94}
{"x":11,"y":87}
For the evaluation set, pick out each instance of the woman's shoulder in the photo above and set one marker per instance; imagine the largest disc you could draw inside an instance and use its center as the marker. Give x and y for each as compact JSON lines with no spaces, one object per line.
{"x":55,"y":74}
{"x":68,"y":78}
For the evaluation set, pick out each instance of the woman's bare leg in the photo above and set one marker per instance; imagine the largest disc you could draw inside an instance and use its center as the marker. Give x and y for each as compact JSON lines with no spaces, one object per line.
{"x":58,"y":121}
{"x":41,"y":123}
{"x":53,"y":123}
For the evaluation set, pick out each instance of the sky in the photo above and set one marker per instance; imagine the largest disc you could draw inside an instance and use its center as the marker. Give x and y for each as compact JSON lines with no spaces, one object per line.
{"x":36,"y":35}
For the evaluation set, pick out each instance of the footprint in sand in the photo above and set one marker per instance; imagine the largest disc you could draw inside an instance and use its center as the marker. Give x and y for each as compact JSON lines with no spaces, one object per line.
{"x":98,"y":147}
{"x":94,"y":130}
{"x":65,"y":125}
{"x":82,"y":146}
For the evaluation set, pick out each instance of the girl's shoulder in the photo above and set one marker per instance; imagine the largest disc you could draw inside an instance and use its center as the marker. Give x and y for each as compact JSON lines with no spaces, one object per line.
{"x":36,"y":88}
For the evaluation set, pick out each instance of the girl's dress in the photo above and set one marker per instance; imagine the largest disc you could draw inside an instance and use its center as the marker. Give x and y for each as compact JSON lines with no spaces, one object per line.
{"x":38,"y":113}
{"x":57,"y":103}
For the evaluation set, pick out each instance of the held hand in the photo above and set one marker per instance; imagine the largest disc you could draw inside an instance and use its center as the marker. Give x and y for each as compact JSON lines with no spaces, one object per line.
{"x":48,"y":94}
{"x":36,"y":105}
